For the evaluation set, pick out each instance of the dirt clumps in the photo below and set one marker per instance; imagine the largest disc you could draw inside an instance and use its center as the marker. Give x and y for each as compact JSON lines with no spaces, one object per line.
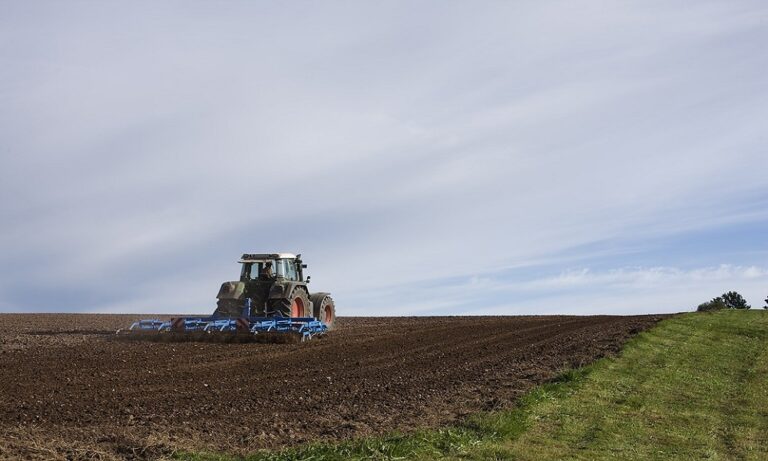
{"x":68,"y":391}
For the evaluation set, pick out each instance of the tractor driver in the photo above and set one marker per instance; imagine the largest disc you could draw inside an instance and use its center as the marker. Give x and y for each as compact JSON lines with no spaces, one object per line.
{"x":266,"y":272}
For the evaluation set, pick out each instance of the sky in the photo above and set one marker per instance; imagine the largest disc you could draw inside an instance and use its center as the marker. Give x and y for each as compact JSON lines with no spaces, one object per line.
{"x":425,"y":157}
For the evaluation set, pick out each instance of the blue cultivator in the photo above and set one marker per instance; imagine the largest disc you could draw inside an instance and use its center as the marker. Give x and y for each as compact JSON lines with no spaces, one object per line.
{"x":212,"y":328}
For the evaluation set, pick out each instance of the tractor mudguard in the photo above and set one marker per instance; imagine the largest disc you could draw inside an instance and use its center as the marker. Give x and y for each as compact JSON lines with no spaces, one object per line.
{"x":283,"y":289}
{"x":231,"y":290}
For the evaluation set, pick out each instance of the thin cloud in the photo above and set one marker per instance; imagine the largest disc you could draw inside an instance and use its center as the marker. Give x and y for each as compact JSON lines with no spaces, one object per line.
{"x":141,"y":153}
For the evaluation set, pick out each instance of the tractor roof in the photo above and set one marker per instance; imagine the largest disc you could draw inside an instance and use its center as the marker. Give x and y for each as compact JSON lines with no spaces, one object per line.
{"x":252,"y":257}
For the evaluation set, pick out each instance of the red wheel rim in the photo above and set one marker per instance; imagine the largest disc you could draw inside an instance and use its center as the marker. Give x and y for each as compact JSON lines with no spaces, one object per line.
{"x":297,"y":307}
{"x":328,"y":315}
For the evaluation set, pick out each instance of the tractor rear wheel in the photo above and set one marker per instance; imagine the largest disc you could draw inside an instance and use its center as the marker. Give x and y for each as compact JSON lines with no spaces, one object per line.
{"x":324,"y":309}
{"x":295,"y":305}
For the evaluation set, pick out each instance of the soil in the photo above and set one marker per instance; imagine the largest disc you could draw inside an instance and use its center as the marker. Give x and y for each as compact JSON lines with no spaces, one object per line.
{"x":69,"y":390}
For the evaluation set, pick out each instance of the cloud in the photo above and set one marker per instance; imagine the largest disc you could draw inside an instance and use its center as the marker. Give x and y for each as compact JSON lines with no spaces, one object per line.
{"x":141,"y":153}
{"x":650,"y":277}
{"x":615,"y":291}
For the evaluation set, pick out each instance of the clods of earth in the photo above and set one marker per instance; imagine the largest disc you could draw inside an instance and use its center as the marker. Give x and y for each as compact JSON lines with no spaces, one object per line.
{"x":68,"y":390}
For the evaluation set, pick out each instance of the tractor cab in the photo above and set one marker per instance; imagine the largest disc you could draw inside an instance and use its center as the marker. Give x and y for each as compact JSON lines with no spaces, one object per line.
{"x":285,"y":266}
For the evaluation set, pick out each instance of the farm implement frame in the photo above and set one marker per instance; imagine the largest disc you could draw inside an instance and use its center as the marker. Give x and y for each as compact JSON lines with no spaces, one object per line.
{"x":214,"y":329}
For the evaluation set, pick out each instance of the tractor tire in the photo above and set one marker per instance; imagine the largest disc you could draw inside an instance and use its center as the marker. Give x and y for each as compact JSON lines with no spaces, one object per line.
{"x":295,"y":305}
{"x":324,"y":308}
{"x":229,"y":308}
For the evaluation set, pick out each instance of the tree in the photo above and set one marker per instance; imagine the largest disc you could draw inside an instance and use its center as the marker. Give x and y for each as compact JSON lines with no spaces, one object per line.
{"x":729,"y":300}
{"x":715,"y":305}
{"x":735,"y":301}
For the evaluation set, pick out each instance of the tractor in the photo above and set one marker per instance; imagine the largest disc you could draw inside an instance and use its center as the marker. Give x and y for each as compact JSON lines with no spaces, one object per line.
{"x":270,"y":302}
{"x":273,"y":285}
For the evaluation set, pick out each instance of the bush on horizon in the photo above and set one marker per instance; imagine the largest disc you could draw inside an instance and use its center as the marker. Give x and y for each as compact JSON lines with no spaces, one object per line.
{"x":729,"y":300}
{"x":715,"y":305}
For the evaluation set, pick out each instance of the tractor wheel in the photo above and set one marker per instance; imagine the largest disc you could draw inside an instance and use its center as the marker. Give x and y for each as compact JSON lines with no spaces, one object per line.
{"x":229,"y":308}
{"x":324,"y":309}
{"x":295,"y":305}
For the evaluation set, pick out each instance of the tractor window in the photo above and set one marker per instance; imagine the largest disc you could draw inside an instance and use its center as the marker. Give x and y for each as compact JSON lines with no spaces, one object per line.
{"x":263,"y":266}
{"x":246,"y":272}
{"x":290,"y":269}
{"x":255,"y":270}
{"x":277,"y":265}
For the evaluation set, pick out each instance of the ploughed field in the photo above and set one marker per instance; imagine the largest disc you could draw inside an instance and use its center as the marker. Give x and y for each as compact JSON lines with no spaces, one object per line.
{"x":69,"y":390}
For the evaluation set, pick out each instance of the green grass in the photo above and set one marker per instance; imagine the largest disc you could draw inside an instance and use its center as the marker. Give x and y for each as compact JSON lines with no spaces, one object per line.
{"x":694,"y":387}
